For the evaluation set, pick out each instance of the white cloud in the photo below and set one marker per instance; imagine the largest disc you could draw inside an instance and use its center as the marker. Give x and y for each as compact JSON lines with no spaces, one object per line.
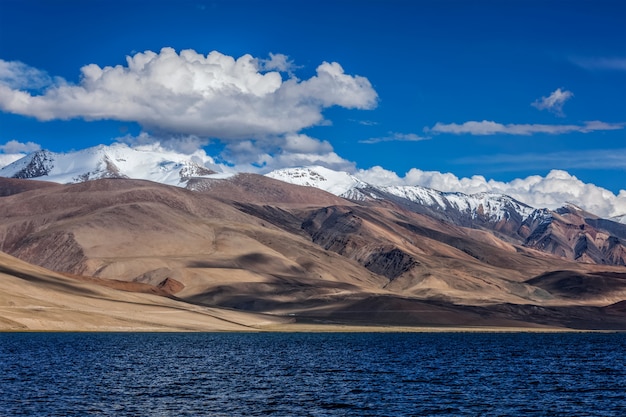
{"x":299,"y":143}
{"x":14,"y":150}
{"x":554,"y":102}
{"x":379,"y":176}
{"x":492,"y":128}
{"x":278,"y":62}
{"x":144,"y":142}
{"x":15,"y":147}
{"x":289,"y":159}
{"x":6,"y":159}
{"x":395,"y":137}
{"x":186,"y":144}
{"x":190,"y":94}
{"x":551,"y":191}
{"x":254,"y":155}
{"x":19,"y":76}
{"x":332,"y":87}
{"x":291,"y":150}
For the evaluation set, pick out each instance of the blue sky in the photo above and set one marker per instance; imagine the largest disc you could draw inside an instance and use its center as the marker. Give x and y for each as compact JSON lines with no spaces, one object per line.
{"x":501,"y":89}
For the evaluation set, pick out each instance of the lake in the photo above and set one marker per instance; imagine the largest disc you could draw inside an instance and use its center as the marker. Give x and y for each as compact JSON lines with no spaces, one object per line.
{"x":312,"y":374}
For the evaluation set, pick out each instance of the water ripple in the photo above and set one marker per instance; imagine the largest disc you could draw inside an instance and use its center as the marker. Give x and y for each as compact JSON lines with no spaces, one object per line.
{"x":217,"y":374}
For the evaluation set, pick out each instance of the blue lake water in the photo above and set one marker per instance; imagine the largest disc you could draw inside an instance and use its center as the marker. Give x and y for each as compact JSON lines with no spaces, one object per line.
{"x":312,"y":374}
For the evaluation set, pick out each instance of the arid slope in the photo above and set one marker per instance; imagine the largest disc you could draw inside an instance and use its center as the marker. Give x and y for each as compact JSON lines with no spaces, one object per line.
{"x":33,"y":298}
{"x":256,"y":244}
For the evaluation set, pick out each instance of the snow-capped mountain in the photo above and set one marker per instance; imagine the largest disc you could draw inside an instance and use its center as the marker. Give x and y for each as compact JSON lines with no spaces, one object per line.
{"x":567,"y":232}
{"x":338,"y":183}
{"x":114,"y":161}
{"x":493,"y":211}
{"x":494,"y":207}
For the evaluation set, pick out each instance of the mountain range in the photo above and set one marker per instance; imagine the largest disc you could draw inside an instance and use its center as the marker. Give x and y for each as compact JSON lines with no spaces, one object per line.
{"x":309,"y":245}
{"x":568,"y":232}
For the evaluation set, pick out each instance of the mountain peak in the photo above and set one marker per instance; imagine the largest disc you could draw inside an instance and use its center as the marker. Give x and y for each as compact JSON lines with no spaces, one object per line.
{"x":114,"y":161}
{"x":569,"y":208}
{"x":339,"y":183}
{"x":35,"y":165}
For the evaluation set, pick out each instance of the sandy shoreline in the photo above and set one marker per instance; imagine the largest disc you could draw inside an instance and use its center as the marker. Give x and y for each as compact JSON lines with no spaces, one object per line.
{"x":320,"y":328}
{"x":332,"y":328}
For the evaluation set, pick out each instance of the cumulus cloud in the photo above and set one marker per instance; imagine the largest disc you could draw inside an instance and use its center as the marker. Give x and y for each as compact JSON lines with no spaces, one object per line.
{"x":278,"y":62}
{"x":149,"y":144}
{"x":300,"y":143}
{"x":250,"y":157}
{"x":14,"y":150}
{"x":19,"y":76}
{"x":332,"y":87}
{"x":14,"y":146}
{"x":330,"y":160}
{"x":379,"y":176}
{"x":6,"y":159}
{"x":254,"y":155}
{"x":191,"y":94}
{"x":551,"y":191}
{"x":291,"y":150}
{"x":186,"y":144}
{"x":554,"y":102}
{"x":395,"y":137}
{"x":487,"y":127}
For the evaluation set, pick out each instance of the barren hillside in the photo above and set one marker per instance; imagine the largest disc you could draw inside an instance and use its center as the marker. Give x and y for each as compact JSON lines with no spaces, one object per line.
{"x":258,"y":245}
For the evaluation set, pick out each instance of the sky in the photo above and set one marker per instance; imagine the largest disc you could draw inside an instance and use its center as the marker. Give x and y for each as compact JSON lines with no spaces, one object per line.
{"x":522,"y":97}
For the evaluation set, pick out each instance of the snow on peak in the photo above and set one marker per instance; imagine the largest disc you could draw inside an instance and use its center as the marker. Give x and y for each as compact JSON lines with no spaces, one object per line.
{"x":495,"y":207}
{"x":114,"y":161}
{"x":35,"y":165}
{"x":154,"y":163}
{"x":490,"y":205}
{"x":335,"y":182}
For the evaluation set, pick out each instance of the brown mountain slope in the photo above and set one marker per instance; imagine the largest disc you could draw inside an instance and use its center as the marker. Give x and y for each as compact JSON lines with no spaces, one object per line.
{"x":580,"y":286}
{"x":146,"y":232}
{"x":10,"y":186}
{"x":33,"y":298}
{"x":232,"y":244}
{"x":261,"y":190}
{"x":425,"y":258}
{"x":568,"y":232}
{"x":422,"y":256}
{"x":577,"y":235}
